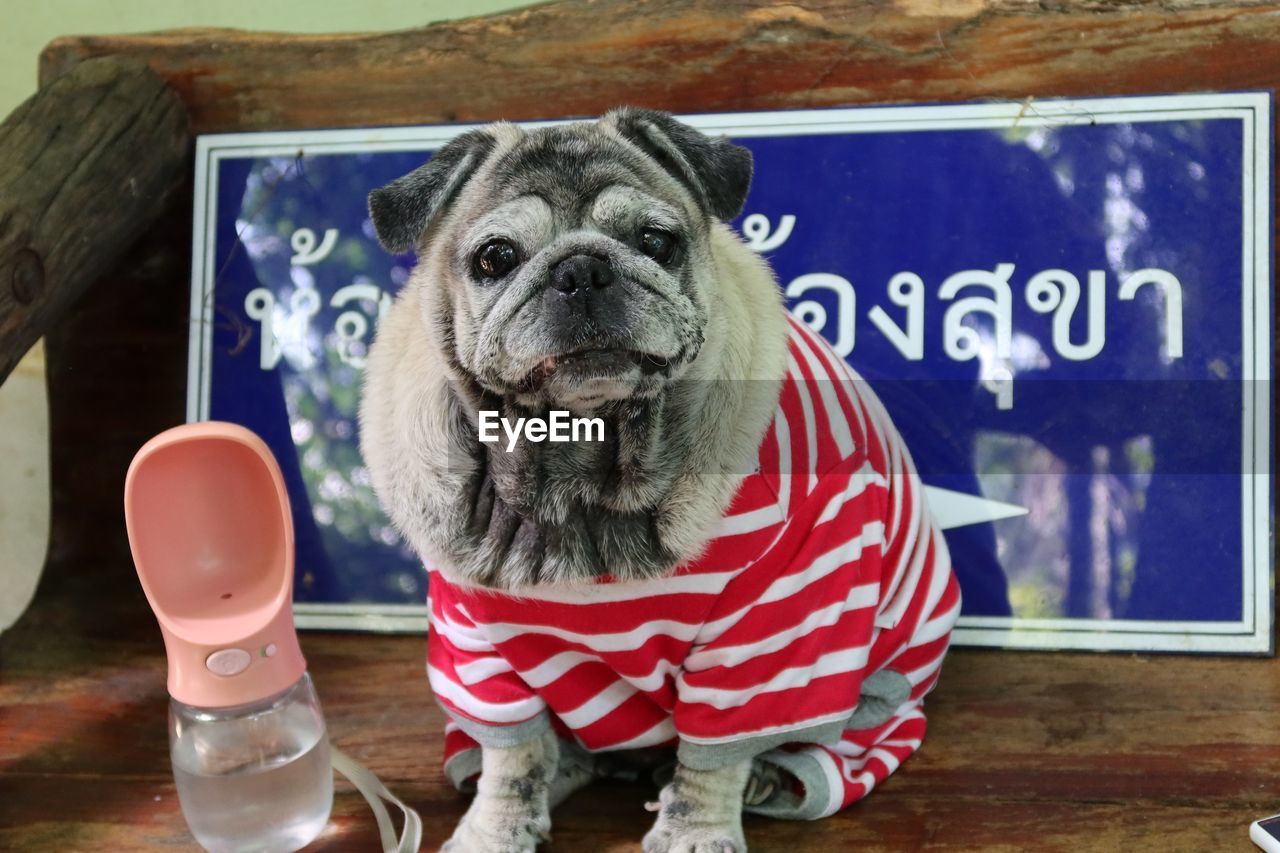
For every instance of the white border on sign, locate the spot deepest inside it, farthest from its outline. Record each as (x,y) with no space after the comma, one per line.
(1253,633)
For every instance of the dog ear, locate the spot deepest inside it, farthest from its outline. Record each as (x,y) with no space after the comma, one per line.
(402,210)
(716,171)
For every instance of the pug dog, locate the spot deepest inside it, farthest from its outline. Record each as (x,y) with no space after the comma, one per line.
(736,563)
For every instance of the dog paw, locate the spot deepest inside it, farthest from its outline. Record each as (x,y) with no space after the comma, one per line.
(700,811)
(694,839)
(678,829)
(475,835)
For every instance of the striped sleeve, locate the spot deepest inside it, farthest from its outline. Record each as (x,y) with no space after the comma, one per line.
(784,655)
(474,684)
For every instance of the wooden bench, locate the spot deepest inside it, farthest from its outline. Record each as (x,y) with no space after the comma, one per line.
(1025,751)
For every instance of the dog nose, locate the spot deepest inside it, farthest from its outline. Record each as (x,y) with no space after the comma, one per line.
(581,272)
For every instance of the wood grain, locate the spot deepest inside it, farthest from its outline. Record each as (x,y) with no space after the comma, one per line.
(1026,751)
(580,58)
(74,192)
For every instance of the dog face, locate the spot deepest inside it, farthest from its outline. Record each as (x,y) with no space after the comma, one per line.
(567,266)
(579,267)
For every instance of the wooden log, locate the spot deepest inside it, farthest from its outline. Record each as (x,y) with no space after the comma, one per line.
(86,165)
(579,58)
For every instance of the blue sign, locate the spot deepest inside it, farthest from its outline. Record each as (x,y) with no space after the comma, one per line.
(1065,306)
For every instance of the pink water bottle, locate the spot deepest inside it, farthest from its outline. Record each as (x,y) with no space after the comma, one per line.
(212,538)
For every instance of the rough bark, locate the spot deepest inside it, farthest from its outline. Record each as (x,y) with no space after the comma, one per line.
(578,58)
(86,165)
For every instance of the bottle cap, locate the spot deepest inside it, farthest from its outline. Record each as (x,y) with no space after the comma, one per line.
(212,538)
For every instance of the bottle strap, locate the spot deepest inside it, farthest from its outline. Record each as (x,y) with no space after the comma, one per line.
(375,792)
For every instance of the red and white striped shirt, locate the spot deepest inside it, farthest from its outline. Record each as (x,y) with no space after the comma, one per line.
(826,568)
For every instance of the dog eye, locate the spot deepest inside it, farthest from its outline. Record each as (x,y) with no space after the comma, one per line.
(495,259)
(658,245)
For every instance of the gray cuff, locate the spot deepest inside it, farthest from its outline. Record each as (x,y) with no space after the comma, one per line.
(462,769)
(882,695)
(504,737)
(785,804)
(713,756)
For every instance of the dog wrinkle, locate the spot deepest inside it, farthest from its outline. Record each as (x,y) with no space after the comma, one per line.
(632,506)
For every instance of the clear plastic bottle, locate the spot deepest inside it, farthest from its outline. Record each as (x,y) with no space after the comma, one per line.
(253,778)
